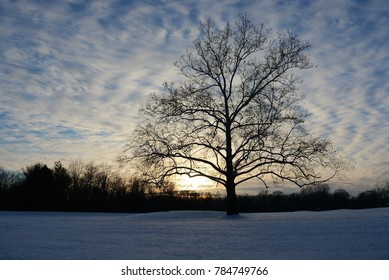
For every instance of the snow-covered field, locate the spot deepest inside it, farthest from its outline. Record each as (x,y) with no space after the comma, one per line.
(341,234)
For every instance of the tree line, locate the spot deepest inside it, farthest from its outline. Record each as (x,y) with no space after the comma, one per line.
(92,187)
(88,187)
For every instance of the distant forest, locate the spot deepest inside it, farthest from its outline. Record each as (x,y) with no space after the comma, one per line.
(91,187)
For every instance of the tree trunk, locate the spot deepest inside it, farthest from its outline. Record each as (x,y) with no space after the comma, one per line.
(232,206)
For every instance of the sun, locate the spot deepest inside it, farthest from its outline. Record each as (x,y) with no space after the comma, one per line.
(193,183)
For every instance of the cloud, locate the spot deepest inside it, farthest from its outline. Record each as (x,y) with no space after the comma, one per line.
(346,92)
(73,73)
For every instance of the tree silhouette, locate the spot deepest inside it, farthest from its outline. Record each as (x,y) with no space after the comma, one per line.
(38,188)
(234,115)
(62,183)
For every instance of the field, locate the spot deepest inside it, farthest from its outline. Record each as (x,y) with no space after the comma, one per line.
(340,234)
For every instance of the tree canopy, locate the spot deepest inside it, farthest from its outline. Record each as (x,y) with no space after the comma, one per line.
(234,114)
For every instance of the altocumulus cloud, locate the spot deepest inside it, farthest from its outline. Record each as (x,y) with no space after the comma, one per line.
(73,73)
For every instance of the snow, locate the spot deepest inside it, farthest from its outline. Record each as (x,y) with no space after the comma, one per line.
(340,234)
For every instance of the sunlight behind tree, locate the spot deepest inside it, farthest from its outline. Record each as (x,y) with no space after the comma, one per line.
(198,183)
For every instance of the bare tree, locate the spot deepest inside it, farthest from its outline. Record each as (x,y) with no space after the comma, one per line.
(235,115)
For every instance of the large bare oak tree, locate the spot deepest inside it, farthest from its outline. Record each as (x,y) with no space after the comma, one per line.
(234,115)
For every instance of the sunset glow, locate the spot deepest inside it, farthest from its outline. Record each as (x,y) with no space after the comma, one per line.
(198,183)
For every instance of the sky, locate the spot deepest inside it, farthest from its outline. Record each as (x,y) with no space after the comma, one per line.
(73,73)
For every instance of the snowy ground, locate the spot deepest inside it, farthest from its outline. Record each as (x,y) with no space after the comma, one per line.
(341,234)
